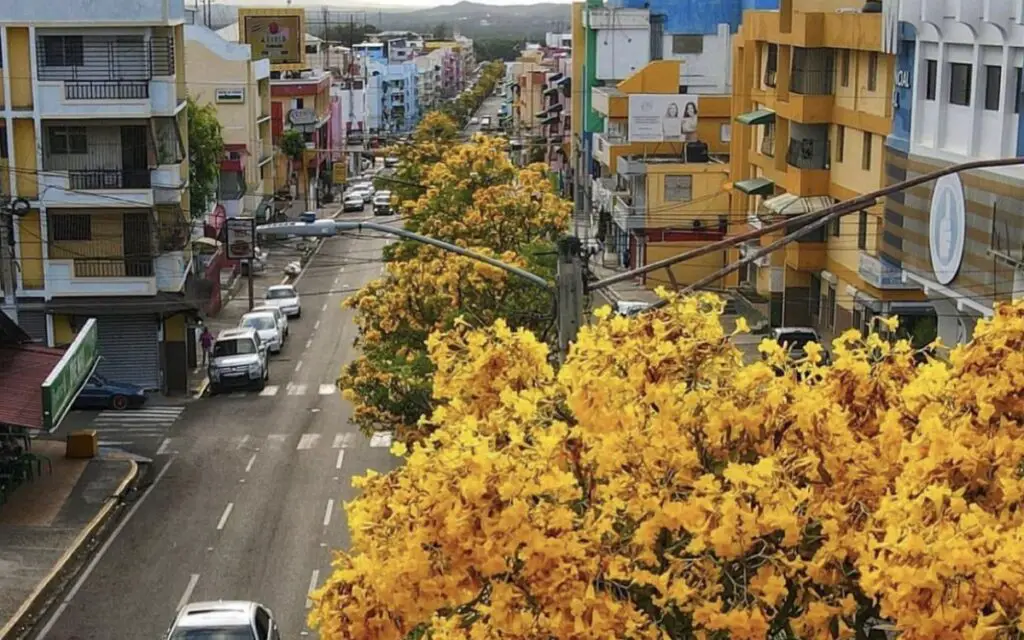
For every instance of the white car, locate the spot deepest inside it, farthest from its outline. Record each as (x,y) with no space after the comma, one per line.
(282,320)
(224,620)
(285,298)
(353,201)
(474,120)
(264,323)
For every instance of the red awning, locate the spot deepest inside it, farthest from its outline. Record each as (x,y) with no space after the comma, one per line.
(23,369)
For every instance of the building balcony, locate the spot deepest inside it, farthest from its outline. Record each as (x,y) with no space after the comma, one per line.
(807,163)
(835,30)
(610,102)
(106,76)
(627,216)
(806,256)
(881,274)
(602,18)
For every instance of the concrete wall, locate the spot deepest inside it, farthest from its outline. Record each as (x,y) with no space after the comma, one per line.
(95,12)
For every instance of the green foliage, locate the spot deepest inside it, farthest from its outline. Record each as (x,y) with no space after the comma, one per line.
(293,144)
(348,34)
(506,49)
(205,151)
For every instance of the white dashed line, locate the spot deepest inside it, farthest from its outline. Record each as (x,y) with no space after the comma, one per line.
(336,281)
(323,307)
(224,517)
(328,512)
(244,441)
(316,325)
(296,389)
(185,597)
(309,343)
(298,366)
(308,441)
(252,460)
(163,447)
(341,459)
(312,586)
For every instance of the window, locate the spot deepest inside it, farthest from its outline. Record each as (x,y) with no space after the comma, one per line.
(865,159)
(993,80)
(840,142)
(678,188)
(960,84)
(837,227)
(873,71)
(725,132)
(687,44)
(931,75)
(67,140)
(771,65)
(3,142)
(862,230)
(1017,88)
(844,68)
(63,51)
(299,103)
(65,227)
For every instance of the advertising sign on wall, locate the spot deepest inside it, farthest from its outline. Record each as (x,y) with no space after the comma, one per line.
(947,227)
(231,96)
(278,36)
(241,237)
(662,118)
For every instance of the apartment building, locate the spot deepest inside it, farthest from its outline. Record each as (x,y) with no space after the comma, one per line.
(392,99)
(95,137)
(430,73)
(957,97)
(224,75)
(813,106)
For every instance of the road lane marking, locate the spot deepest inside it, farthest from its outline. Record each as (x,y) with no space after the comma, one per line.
(312,587)
(344,440)
(316,325)
(327,389)
(224,517)
(114,443)
(323,307)
(269,390)
(341,459)
(252,461)
(102,552)
(308,441)
(309,343)
(328,512)
(163,447)
(381,440)
(276,441)
(244,441)
(185,597)
(298,366)
(296,389)
(337,281)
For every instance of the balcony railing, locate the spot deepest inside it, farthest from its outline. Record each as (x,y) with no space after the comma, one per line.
(768,144)
(141,267)
(115,59)
(807,154)
(104,90)
(100,157)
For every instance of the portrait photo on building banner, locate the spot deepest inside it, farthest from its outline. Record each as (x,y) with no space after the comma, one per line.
(662,117)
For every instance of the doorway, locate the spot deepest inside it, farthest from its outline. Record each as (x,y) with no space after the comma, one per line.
(134,158)
(138,245)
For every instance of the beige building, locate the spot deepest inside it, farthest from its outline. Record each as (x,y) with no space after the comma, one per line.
(223,74)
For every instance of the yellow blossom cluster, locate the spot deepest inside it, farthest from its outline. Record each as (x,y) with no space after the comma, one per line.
(655,486)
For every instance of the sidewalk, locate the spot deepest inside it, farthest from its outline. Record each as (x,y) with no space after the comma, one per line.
(48,521)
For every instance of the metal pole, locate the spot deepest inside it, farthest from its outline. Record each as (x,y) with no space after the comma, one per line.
(252,266)
(569,295)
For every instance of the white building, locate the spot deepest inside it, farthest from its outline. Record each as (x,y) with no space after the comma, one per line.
(558,40)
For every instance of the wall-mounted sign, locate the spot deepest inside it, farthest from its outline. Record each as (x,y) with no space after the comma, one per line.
(339,172)
(301,117)
(947,227)
(241,237)
(278,35)
(662,118)
(230,95)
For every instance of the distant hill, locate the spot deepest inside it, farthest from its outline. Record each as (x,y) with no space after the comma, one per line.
(471,19)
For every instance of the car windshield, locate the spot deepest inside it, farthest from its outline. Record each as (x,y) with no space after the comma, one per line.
(280,294)
(797,339)
(259,322)
(219,633)
(236,347)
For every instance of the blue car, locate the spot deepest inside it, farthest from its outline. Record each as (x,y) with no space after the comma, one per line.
(101,393)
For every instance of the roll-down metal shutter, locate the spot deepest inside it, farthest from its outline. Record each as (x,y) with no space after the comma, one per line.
(34,323)
(130,349)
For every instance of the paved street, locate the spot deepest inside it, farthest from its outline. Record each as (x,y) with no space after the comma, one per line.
(247,489)
(490,107)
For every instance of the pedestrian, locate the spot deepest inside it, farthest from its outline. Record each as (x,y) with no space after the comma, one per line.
(206,342)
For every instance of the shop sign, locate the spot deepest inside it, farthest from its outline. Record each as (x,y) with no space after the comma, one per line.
(241,237)
(947,227)
(230,96)
(66,380)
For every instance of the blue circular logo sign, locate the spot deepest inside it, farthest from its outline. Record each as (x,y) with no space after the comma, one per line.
(947,227)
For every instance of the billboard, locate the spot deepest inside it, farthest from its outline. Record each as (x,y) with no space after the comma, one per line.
(61,387)
(662,117)
(276,34)
(241,238)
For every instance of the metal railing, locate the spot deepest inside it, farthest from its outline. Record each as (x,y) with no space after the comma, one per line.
(106,90)
(100,157)
(768,144)
(141,267)
(807,154)
(113,58)
(93,179)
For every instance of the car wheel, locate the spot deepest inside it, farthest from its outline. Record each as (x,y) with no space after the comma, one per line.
(213,389)
(261,384)
(119,402)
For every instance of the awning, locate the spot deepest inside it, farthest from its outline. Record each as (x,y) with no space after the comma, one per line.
(556,77)
(756,186)
(760,116)
(788,204)
(550,120)
(206,242)
(162,303)
(551,91)
(555,108)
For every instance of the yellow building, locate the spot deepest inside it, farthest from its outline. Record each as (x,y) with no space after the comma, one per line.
(654,199)
(813,101)
(223,74)
(95,125)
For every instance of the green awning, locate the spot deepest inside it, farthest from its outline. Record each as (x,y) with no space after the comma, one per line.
(761,116)
(756,186)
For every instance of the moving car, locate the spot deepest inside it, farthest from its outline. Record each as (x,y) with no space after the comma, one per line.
(382,203)
(224,620)
(285,298)
(474,120)
(239,359)
(307,217)
(266,325)
(102,393)
(353,201)
(282,320)
(485,123)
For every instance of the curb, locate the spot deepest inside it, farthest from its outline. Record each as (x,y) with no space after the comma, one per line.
(84,536)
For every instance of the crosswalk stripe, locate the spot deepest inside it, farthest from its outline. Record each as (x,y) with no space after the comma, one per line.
(381,440)
(308,441)
(296,389)
(276,440)
(134,419)
(343,440)
(327,389)
(269,390)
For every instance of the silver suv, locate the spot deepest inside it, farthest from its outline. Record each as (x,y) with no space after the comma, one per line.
(224,620)
(239,359)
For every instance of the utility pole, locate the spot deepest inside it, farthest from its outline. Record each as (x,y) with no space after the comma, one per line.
(569,294)
(10,209)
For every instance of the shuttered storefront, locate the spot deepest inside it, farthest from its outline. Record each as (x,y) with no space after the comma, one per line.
(33,321)
(129,349)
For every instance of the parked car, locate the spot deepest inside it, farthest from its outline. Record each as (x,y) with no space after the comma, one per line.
(794,341)
(239,359)
(282,319)
(224,620)
(382,203)
(474,120)
(353,201)
(102,393)
(285,298)
(485,123)
(266,325)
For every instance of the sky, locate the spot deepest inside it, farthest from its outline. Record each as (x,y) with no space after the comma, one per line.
(407,5)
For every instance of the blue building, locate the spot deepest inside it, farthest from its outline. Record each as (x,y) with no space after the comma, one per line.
(392,100)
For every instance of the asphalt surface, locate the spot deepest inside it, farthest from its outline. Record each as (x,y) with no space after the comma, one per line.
(246,490)
(490,107)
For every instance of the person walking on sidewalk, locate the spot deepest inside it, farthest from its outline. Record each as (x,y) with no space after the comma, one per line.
(206,342)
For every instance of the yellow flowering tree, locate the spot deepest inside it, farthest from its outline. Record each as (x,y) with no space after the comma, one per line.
(433,136)
(657,487)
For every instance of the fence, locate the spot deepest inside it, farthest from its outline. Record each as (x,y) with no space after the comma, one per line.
(103,59)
